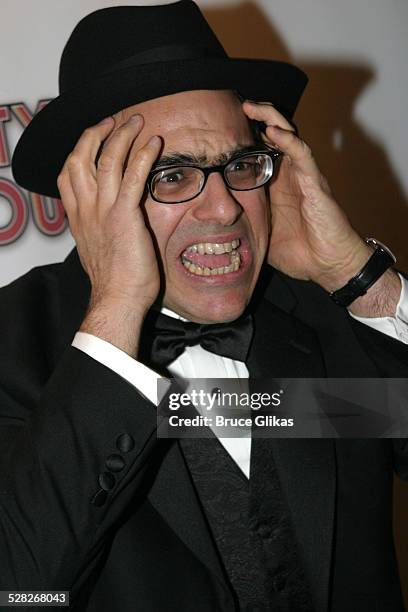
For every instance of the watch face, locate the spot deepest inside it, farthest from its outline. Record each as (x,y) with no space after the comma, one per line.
(376,244)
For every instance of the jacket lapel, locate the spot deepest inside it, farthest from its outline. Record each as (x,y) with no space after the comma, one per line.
(282,347)
(174,481)
(344,356)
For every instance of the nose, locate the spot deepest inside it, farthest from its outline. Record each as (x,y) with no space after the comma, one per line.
(216,203)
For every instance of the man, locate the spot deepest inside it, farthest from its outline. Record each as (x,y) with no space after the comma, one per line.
(92,501)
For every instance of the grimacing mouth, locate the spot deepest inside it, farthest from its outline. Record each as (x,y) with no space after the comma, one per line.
(212,249)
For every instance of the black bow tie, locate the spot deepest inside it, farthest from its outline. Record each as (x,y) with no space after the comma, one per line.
(168,337)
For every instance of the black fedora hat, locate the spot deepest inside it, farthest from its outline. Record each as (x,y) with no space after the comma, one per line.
(119,56)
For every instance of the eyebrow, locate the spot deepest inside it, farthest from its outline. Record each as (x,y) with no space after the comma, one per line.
(178,158)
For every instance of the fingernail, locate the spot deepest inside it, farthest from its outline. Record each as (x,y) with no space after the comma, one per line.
(106,120)
(258,102)
(135,119)
(155,140)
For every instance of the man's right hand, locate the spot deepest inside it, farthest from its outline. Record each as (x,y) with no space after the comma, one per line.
(102,201)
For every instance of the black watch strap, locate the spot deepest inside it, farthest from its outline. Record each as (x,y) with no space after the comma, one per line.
(379,262)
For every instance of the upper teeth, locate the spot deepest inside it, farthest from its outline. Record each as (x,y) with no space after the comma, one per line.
(214,248)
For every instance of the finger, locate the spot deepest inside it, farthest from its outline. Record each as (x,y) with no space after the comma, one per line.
(267,113)
(80,163)
(66,192)
(91,140)
(296,149)
(137,172)
(68,198)
(112,160)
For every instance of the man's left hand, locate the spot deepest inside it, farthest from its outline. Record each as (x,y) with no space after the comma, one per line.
(312,238)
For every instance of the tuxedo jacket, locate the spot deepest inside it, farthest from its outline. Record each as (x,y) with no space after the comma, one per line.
(137,539)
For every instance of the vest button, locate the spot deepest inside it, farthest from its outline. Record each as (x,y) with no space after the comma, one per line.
(279,583)
(264,530)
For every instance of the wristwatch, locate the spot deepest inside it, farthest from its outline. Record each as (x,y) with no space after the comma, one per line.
(379,262)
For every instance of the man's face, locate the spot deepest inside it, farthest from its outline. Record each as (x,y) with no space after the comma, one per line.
(208,125)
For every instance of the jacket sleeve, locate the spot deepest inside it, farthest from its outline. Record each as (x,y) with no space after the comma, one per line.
(391,359)
(68,472)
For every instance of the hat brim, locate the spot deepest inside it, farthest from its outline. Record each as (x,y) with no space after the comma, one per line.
(52,134)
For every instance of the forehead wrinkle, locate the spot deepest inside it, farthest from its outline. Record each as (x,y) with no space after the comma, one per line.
(200,159)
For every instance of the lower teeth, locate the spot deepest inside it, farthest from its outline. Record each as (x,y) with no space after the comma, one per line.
(205,271)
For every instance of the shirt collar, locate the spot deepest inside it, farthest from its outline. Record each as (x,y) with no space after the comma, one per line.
(171,313)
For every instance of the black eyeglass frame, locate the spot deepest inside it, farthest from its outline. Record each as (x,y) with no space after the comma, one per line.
(274,155)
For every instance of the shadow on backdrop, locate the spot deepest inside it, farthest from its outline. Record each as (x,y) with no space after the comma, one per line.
(356,166)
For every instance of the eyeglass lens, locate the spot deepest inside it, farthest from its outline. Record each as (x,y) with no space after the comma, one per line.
(172,185)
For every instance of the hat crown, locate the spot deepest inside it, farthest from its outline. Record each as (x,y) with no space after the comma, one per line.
(121,56)
(106,38)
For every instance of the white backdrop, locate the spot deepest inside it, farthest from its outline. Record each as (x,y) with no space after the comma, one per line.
(363,42)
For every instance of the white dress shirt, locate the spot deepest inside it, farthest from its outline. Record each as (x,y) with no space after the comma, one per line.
(196,362)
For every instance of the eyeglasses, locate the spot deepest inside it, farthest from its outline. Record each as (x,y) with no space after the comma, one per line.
(178,184)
